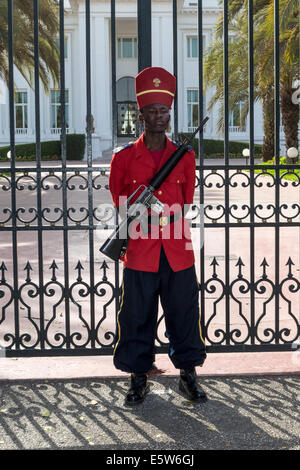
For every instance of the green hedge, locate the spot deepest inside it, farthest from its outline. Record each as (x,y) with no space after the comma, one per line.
(50,150)
(215,148)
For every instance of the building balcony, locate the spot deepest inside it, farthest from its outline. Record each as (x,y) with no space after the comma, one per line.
(57,130)
(21,130)
(237,129)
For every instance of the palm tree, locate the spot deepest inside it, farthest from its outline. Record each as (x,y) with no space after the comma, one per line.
(238,79)
(263,62)
(289,63)
(23,40)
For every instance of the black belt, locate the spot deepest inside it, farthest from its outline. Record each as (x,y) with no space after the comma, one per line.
(163,220)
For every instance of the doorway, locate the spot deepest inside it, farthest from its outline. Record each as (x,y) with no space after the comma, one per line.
(127,108)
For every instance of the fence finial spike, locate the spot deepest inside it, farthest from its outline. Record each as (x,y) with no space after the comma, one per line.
(104,266)
(3,268)
(28,268)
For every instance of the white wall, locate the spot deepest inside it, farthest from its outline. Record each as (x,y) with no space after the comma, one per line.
(126,26)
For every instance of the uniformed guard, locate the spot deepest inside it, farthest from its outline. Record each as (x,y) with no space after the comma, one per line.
(159,262)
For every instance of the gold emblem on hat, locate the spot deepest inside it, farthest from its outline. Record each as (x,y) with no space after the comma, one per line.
(156,82)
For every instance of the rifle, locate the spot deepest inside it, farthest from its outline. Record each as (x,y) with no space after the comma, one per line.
(116,245)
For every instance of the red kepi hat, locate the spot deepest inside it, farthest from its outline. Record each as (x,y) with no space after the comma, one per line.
(155,85)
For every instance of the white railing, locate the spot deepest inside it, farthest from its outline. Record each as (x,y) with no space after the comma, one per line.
(57,130)
(192,129)
(21,130)
(237,129)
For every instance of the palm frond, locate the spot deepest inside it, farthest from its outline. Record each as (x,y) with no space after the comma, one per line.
(23,40)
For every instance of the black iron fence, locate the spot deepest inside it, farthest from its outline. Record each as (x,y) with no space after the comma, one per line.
(59,297)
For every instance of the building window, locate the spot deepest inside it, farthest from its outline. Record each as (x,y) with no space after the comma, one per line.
(65,46)
(192,47)
(56,110)
(21,112)
(193,109)
(127,48)
(192,51)
(235,118)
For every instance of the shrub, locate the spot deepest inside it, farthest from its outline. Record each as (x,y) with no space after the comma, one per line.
(75,146)
(215,148)
(50,150)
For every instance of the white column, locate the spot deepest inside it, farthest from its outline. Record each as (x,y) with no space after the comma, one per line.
(6,118)
(156,42)
(162,41)
(2,105)
(79,77)
(166,42)
(162,44)
(2,111)
(101,82)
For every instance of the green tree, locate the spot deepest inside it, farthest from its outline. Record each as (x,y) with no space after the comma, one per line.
(23,40)
(289,59)
(263,65)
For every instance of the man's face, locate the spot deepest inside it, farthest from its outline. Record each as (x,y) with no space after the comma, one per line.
(155,117)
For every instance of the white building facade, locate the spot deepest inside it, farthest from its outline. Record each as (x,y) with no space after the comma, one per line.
(126,69)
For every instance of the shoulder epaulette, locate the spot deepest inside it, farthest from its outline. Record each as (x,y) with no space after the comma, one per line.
(118,149)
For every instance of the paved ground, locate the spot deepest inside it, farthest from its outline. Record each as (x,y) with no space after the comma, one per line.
(78,403)
(254,413)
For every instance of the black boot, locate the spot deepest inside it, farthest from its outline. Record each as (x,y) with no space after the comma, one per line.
(138,389)
(189,386)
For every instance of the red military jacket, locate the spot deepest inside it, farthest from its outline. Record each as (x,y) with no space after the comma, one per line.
(132,166)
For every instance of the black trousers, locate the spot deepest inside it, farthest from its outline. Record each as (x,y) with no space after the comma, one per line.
(137,318)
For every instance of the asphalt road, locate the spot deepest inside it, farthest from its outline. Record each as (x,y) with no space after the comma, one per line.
(242,413)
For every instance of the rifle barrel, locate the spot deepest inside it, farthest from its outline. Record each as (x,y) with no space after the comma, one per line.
(190,139)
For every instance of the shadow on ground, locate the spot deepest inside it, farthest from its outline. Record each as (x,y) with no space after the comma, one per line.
(241,413)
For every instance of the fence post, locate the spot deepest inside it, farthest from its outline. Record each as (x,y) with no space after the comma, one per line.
(144,34)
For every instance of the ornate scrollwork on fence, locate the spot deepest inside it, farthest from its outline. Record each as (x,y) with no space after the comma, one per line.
(70,303)
(251,328)
(68,327)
